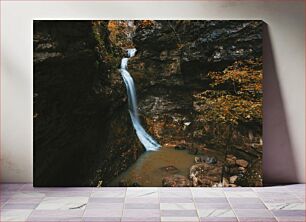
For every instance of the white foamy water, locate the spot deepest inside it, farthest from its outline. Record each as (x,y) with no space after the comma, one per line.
(147,141)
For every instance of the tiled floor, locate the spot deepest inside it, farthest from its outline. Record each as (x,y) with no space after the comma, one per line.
(22,202)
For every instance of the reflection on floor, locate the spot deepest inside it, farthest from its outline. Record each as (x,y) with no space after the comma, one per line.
(22,202)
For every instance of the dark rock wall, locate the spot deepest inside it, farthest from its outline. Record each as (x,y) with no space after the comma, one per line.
(82,131)
(171,70)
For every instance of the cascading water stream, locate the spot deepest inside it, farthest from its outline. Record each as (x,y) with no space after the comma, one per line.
(147,141)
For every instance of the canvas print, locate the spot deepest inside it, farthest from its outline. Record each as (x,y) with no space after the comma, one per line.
(172,103)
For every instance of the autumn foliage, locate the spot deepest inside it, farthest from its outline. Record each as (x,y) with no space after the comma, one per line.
(243,77)
(120,33)
(235,95)
(145,24)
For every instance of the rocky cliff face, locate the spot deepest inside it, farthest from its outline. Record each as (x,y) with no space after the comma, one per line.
(199,83)
(198,87)
(82,131)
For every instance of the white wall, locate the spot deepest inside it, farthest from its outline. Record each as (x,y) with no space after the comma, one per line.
(284,72)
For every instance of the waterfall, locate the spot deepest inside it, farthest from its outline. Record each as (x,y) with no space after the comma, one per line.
(147,141)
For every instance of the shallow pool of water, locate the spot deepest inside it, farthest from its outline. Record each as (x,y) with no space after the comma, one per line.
(148,169)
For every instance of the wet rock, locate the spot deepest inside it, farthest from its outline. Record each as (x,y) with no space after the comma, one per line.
(233,171)
(123,183)
(241,170)
(231,160)
(205,159)
(225,182)
(254,174)
(233,179)
(170,169)
(180,147)
(211,160)
(163,55)
(136,184)
(242,163)
(226,168)
(218,185)
(242,180)
(197,159)
(193,150)
(100,183)
(176,181)
(230,156)
(203,174)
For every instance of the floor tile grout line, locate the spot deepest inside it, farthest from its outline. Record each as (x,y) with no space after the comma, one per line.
(37,204)
(5,202)
(295,195)
(123,206)
(11,196)
(91,191)
(231,205)
(302,199)
(265,204)
(29,215)
(196,207)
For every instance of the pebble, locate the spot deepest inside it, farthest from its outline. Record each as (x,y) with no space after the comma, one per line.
(242,163)
(231,160)
(241,170)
